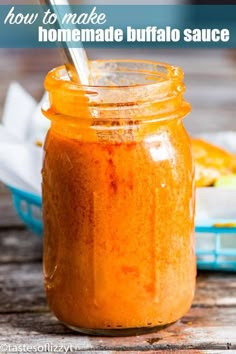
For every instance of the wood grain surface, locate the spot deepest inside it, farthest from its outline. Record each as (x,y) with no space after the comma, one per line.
(210,325)
(25,319)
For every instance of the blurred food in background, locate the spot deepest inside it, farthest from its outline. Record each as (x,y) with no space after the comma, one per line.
(211,162)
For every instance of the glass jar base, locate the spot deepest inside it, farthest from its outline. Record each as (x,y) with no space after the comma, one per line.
(118,332)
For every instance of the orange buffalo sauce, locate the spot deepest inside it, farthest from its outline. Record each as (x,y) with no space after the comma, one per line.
(118,200)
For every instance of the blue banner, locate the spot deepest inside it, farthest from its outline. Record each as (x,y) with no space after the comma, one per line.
(118,26)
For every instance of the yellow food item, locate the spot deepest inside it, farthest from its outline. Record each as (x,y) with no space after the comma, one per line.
(211,162)
(228,181)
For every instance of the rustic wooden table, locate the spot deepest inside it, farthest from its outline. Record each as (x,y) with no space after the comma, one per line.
(210,325)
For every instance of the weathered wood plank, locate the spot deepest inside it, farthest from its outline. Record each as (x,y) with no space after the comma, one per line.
(8,216)
(216,289)
(68,349)
(3,190)
(199,329)
(22,280)
(189,351)
(21,289)
(19,246)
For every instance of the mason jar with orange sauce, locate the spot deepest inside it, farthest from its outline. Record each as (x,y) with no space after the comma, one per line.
(118,199)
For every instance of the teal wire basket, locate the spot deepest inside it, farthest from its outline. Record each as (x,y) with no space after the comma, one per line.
(216,244)
(29,208)
(215,240)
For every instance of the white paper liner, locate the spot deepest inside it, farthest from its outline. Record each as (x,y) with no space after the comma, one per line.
(22,126)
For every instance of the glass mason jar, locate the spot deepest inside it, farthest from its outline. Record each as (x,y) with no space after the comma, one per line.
(118,199)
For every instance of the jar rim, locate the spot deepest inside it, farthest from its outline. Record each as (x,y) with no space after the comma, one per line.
(159,94)
(163,70)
